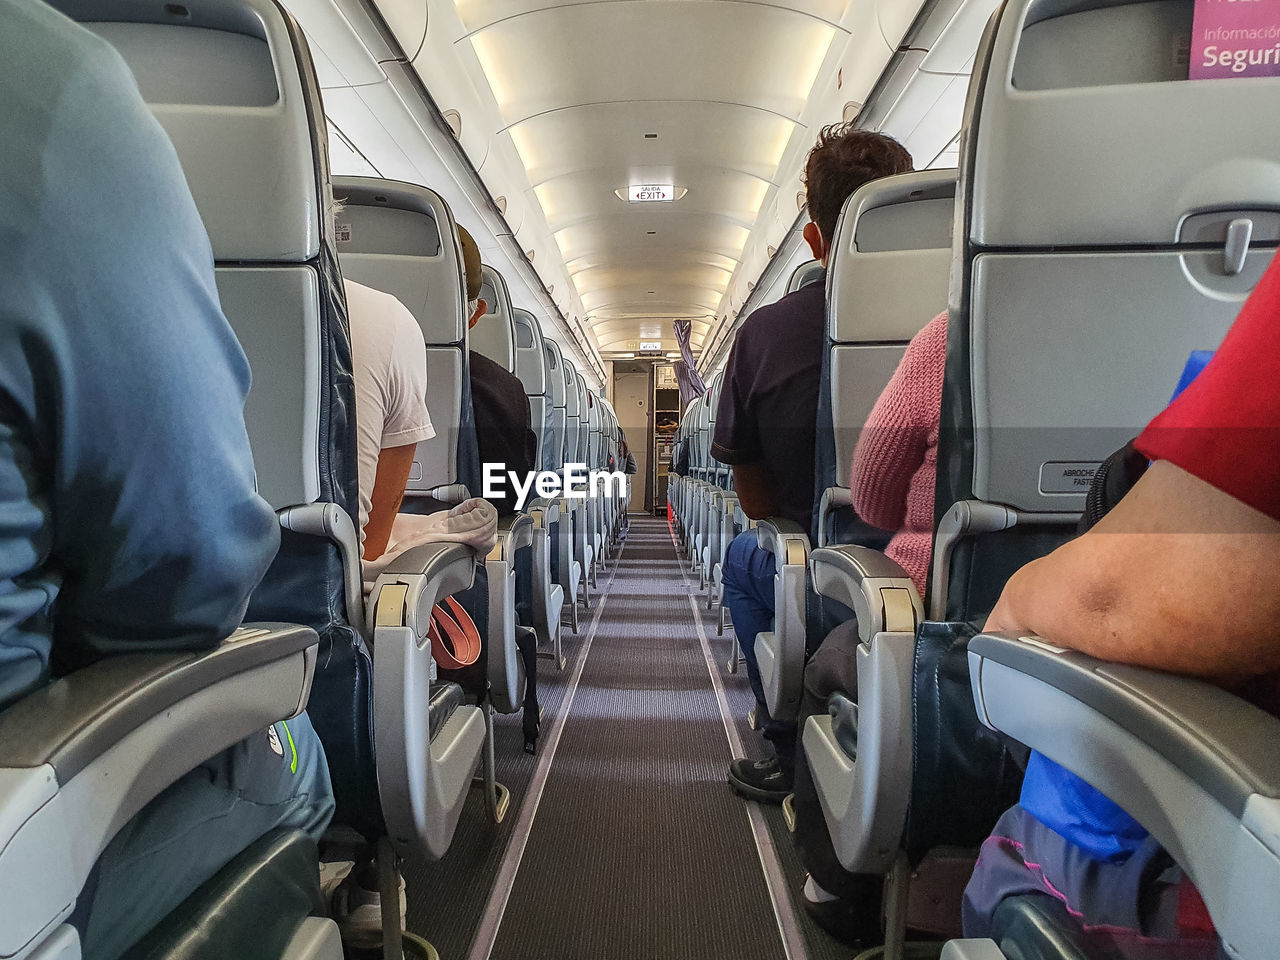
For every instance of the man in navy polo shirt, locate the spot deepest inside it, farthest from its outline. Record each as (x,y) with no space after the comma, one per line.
(765,427)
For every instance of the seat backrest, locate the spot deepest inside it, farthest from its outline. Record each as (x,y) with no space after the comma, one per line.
(573,406)
(582,452)
(493,335)
(720,471)
(400,238)
(805,274)
(557,392)
(234,87)
(888,271)
(689,426)
(595,429)
(531,368)
(234,98)
(1085,276)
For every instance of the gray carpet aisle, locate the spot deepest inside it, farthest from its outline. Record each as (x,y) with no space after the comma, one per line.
(638,850)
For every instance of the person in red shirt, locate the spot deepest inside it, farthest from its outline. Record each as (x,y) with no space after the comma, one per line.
(1142,587)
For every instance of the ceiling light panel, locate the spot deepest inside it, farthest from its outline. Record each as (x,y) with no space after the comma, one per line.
(578,89)
(656,50)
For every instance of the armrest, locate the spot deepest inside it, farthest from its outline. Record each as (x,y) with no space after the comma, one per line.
(833,498)
(1194,764)
(514,533)
(428,572)
(81,756)
(785,539)
(452,494)
(875,588)
(331,522)
(543,511)
(422,780)
(781,653)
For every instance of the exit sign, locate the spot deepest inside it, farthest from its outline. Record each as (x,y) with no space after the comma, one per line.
(652,193)
(650,346)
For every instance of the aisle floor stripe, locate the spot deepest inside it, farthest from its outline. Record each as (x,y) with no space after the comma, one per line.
(487,934)
(783,910)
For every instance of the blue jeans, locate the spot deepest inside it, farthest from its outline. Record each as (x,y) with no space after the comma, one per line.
(748,592)
(191,830)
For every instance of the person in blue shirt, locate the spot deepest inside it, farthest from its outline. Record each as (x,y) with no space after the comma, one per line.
(129,520)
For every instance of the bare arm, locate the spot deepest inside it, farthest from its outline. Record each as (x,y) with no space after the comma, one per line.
(394,464)
(754,483)
(1179,576)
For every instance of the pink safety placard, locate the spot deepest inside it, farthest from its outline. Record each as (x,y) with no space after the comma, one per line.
(1235,38)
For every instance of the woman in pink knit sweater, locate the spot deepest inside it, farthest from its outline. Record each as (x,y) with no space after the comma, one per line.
(894,468)
(896,460)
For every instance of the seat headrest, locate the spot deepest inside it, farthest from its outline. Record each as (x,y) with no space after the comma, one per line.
(400,238)
(232,84)
(573,401)
(555,372)
(804,275)
(531,354)
(891,258)
(1073,96)
(494,334)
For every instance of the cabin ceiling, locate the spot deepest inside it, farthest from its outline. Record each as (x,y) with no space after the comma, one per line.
(562,105)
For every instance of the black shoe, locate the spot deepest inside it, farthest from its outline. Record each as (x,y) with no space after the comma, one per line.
(761,780)
(855,922)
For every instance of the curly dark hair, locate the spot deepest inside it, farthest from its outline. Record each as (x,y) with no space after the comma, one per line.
(843,159)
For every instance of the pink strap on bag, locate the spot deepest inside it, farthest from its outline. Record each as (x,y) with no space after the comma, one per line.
(455,641)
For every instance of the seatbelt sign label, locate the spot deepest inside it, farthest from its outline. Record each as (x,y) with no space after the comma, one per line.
(1235,38)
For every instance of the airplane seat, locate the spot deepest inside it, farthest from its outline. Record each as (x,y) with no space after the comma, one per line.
(555,427)
(1192,763)
(566,569)
(548,595)
(699,461)
(573,534)
(1067,332)
(688,484)
(585,535)
(531,369)
(811,271)
(401,239)
(722,518)
(887,278)
(233,85)
(1182,231)
(595,448)
(706,487)
(493,335)
(717,472)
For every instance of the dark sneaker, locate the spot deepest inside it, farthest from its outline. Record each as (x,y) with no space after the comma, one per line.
(761,780)
(853,920)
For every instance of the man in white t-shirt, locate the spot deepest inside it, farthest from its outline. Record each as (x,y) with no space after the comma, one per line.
(389,363)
